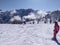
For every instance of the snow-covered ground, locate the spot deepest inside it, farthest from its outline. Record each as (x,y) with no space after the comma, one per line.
(29,34)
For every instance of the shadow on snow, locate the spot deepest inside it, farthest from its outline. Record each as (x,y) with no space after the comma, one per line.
(57,42)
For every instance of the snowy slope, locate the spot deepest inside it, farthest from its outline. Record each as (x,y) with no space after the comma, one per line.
(30,16)
(15,18)
(42,13)
(29,34)
(13,11)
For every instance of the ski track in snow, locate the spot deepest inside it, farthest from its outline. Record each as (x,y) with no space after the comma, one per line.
(29,34)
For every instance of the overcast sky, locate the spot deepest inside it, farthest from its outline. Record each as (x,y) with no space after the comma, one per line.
(34,4)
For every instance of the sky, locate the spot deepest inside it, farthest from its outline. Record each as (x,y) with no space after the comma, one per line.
(47,5)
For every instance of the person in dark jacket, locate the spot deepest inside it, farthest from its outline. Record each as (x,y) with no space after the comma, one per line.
(56,30)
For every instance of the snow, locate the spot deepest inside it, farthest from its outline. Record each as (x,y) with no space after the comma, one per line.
(37,15)
(1,11)
(30,16)
(15,18)
(13,11)
(12,19)
(29,34)
(42,13)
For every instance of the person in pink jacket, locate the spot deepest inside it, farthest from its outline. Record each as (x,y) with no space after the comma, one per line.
(56,30)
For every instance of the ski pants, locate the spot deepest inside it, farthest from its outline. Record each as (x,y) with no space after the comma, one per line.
(55,33)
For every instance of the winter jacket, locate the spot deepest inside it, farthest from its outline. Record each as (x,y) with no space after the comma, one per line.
(56,27)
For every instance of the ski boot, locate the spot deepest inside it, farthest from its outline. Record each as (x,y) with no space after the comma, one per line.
(53,38)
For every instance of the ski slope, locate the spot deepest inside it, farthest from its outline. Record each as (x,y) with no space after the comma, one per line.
(28,34)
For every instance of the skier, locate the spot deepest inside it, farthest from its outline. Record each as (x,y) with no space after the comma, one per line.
(56,30)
